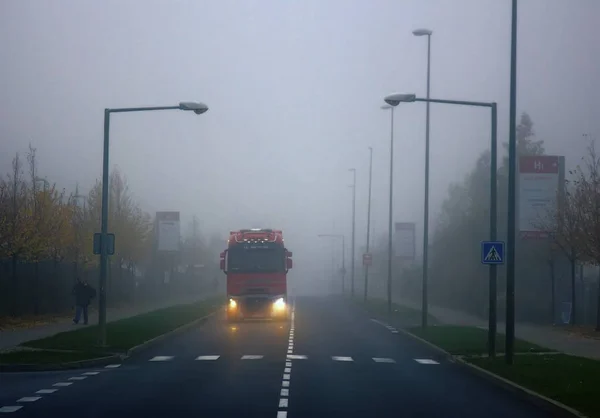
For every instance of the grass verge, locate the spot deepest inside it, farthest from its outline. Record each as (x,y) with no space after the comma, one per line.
(469,341)
(570,380)
(45,357)
(401,315)
(127,333)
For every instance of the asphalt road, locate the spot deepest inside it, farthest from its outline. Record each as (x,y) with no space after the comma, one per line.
(331,360)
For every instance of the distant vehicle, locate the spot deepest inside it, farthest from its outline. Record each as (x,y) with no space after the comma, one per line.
(256,263)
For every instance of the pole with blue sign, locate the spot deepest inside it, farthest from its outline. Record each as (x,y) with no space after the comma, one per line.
(492,254)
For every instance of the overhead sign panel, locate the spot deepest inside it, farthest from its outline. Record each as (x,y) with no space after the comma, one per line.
(168,231)
(405,238)
(539,182)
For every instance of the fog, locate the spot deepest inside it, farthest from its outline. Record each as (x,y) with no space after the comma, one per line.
(294,90)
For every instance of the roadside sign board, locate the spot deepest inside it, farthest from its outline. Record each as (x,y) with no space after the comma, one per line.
(168,231)
(404,244)
(110,243)
(367,259)
(492,252)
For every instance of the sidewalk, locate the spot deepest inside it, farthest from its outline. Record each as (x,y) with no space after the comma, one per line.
(545,336)
(12,338)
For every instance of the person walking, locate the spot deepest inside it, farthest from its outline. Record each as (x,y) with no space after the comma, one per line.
(84,293)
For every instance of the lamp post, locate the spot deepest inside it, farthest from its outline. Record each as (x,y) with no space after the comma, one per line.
(352,257)
(493,196)
(424,304)
(343,254)
(368,221)
(195,107)
(390,105)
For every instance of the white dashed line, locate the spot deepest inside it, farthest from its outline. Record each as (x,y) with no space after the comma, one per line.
(207,357)
(288,364)
(285,384)
(30,399)
(286,376)
(296,357)
(161,358)
(281,414)
(283,403)
(90,373)
(62,384)
(383,360)
(251,357)
(287,370)
(78,378)
(46,391)
(285,392)
(338,358)
(6,409)
(112,366)
(426,361)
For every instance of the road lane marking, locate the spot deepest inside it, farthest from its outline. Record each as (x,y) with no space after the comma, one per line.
(251,357)
(281,414)
(290,351)
(30,399)
(426,361)
(288,364)
(161,358)
(341,358)
(286,376)
(285,392)
(90,373)
(78,378)
(285,384)
(296,357)
(283,403)
(46,391)
(394,332)
(383,360)
(207,357)
(112,366)
(62,384)
(15,408)
(287,370)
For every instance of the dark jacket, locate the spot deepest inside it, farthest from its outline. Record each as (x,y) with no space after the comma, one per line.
(83,293)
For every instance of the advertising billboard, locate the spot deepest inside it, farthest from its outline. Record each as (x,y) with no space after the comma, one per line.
(539,183)
(168,231)
(405,238)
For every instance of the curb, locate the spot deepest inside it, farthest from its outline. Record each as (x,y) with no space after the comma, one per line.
(556,408)
(103,361)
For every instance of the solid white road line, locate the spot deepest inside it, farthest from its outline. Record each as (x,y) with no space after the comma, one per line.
(285,392)
(383,360)
(62,384)
(90,373)
(281,414)
(78,378)
(426,361)
(30,399)
(46,391)
(207,357)
(6,409)
(341,358)
(251,357)
(161,358)
(283,403)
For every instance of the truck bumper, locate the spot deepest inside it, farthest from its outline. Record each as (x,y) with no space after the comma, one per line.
(257,307)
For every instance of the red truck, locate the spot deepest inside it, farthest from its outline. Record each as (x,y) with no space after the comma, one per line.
(256,263)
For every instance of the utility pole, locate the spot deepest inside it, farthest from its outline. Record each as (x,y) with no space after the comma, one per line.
(353,230)
(368,221)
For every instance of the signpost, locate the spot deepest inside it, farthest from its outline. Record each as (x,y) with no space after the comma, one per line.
(405,241)
(367,259)
(539,182)
(492,254)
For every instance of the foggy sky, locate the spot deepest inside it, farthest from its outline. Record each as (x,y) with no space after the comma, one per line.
(294,90)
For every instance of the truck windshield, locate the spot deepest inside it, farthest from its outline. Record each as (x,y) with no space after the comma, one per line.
(242,259)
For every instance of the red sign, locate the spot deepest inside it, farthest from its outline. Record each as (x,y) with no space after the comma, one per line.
(367,259)
(542,164)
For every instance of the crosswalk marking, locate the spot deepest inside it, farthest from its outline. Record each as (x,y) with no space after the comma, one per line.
(383,360)
(112,366)
(78,378)
(426,361)
(90,373)
(14,408)
(46,391)
(62,384)
(161,358)
(30,399)
(207,357)
(296,357)
(251,357)
(341,358)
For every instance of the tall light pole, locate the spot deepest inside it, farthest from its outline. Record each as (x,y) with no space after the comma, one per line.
(353,230)
(368,221)
(195,107)
(493,197)
(512,164)
(390,105)
(424,304)
(343,254)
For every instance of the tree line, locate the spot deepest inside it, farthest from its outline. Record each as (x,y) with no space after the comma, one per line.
(42,225)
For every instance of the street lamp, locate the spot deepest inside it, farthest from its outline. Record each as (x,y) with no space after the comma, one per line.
(343,254)
(353,229)
(368,221)
(397,98)
(391,103)
(426,32)
(197,108)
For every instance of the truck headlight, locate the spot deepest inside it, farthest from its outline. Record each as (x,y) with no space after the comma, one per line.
(232,304)
(279,304)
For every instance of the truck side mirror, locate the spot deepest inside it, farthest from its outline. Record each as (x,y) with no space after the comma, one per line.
(288,263)
(222,264)
(289,253)
(222,261)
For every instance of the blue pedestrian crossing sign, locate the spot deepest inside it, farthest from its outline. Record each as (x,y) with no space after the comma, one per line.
(492,252)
